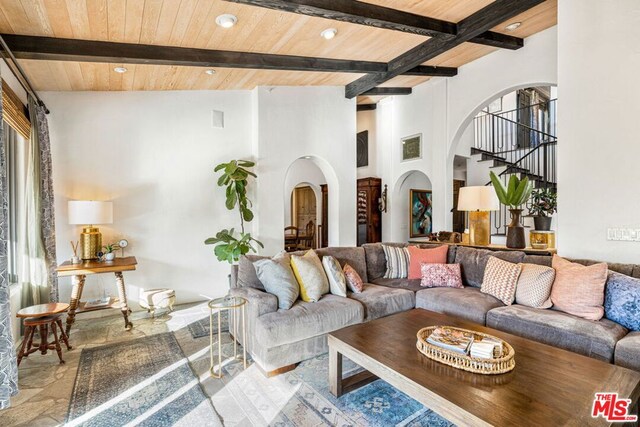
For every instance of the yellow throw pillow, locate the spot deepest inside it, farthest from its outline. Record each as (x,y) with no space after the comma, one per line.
(310,276)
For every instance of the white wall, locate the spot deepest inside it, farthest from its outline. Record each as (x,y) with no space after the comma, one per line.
(598,150)
(441,110)
(295,122)
(152,154)
(366,120)
(303,172)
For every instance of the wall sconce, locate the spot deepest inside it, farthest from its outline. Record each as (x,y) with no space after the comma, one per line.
(382,201)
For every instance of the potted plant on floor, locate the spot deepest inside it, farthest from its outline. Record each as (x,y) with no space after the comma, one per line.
(514,195)
(229,244)
(544,203)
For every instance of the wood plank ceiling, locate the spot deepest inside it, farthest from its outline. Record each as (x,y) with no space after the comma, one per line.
(191,23)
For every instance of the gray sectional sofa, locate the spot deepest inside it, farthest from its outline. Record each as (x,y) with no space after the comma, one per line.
(278,339)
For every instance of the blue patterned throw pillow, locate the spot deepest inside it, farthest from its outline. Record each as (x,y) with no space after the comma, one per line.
(622,300)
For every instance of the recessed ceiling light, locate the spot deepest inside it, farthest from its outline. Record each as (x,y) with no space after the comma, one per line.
(210,72)
(227,20)
(306,157)
(513,26)
(120,70)
(329,33)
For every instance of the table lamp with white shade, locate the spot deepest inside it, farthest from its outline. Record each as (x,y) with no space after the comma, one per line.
(89,213)
(478,201)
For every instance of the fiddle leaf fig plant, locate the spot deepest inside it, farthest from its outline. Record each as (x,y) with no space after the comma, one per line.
(229,243)
(515,194)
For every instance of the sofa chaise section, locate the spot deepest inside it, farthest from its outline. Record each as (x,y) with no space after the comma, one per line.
(467,303)
(596,339)
(379,301)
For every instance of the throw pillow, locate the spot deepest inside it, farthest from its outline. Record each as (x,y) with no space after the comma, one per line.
(534,286)
(397,262)
(417,257)
(578,289)
(247,277)
(473,262)
(354,281)
(310,275)
(501,279)
(277,278)
(441,275)
(622,300)
(337,281)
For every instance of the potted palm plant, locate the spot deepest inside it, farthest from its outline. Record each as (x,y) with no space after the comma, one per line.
(544,203)
(514,195)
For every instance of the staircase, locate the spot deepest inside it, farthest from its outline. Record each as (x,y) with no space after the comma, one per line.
(519,142)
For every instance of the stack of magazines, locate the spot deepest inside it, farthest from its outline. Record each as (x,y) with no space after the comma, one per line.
(451,339)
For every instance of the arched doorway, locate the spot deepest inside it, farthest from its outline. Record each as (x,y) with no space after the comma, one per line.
(305,206)
(411,210)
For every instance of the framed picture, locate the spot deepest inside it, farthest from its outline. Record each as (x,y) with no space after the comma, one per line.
(412,147)
(420,213)
(362,152)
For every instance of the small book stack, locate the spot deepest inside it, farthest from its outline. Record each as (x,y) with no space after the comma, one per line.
(486,349)
(451,339)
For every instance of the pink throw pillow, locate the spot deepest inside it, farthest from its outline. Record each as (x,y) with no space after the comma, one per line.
(578,289)
(418,256)
(354,281)
(441,276)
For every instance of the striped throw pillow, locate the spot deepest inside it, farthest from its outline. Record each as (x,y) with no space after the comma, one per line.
(397,262)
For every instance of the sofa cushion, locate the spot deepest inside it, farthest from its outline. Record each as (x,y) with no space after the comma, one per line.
(397,262)
(467,303)
(595,339)
(626,269)
(500,279)
(247,277)
(307,319)
(628,351)
(412,285)
(380,301)
(579,289)
(622,300)
(538,260)
(473,262)
(376,261)
(277,278)
(419,256)
(353,279)
(353,256)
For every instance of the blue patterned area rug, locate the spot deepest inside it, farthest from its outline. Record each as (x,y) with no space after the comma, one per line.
(144,382)
(302,398)
(200,328)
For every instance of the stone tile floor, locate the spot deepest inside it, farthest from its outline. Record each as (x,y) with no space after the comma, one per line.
(46,385)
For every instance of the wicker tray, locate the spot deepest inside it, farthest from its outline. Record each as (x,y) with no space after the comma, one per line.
(499,365)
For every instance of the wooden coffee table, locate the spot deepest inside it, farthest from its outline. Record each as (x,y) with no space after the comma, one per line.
(548,386)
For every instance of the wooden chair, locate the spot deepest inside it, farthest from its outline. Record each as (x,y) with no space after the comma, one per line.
(306,242)
(42,316)
(290,238)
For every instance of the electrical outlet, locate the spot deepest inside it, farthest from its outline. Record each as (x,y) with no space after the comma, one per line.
(623,234)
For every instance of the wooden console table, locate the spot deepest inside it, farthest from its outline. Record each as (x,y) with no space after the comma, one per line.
(527,250)
(78,273)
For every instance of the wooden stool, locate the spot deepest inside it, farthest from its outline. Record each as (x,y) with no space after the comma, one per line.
(41,316)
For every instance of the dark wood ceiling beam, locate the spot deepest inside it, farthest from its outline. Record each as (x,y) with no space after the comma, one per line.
(366,107)
(470,27)
(372,15)
(58,49)
(386,91)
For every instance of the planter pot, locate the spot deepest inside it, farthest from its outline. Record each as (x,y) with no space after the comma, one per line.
(110,256)
(542,223)
(515,231)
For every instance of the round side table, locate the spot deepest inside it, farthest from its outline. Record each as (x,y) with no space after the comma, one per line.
(232,305)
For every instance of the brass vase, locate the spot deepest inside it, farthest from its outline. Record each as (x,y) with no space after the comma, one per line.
(515,231)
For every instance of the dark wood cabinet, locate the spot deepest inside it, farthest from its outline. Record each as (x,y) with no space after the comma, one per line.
(369,217)
(324,230)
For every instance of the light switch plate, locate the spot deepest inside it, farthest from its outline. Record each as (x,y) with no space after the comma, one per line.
(217,119)
(623,234)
